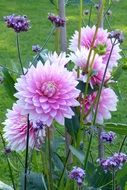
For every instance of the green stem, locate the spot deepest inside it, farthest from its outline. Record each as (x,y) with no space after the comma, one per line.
(50,161)
(122,144)
(113,179)
(88,151)
(9,166)
(11,70)
(19,54)
(63,172)
(45,43)
(96,110)
(27,153)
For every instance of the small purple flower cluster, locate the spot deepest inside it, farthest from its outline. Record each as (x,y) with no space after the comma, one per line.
(17,22)
(77,174)
(117,35)
(107,136)
(36,48)
(114,162)
(57,20)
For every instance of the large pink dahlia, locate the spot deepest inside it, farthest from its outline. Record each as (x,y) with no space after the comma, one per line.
(48,92)
(80,57)
(108,102)
(15,130)
(87,35)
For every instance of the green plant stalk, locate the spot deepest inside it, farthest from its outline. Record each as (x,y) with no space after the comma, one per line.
(100,17)
(79,36)
(113,179)
(96,110)
(90,14)
(45,43)
(27,153)
(9,166)
(49,161)
(85,94)
(19,53)
(122,144)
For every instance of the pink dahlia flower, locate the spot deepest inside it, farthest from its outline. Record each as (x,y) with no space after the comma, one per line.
(80,57)
(60,59)
(87,35)
(48,92)
(108,102)
(15,130)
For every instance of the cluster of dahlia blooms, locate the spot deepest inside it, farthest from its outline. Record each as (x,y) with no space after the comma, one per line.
(48,91)
(45,93)
(101,55)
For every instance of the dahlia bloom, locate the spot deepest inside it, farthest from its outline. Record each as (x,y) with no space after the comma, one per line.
(60,59)
(80,57)
(15,130)
(87,35)
(47,92)
(77,174)
(107,103)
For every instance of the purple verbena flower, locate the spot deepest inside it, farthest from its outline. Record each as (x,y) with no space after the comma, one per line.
(77,174)
(36,48)
(57,20)
(117,35)
(107,136)
(114,162)
(17,22)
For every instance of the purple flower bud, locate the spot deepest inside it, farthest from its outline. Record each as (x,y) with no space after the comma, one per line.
(114,162)
(36,48)
(77,174)
(108,136)
(57,20)
(7,150)
(86,12)
(17,22)
(109,12)
(118,35)
(97,6)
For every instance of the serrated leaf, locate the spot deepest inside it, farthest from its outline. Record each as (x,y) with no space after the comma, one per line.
(117,128)
(9,83)
(77,153)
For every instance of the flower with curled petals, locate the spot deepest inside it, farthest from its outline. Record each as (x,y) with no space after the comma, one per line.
(87,34)
(80,57)
(107,103)
(15,130)
(60,59)
(48,92)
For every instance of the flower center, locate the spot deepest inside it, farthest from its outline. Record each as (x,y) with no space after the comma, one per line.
(48,89)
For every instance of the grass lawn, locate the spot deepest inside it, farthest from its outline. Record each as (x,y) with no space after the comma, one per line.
(37,13)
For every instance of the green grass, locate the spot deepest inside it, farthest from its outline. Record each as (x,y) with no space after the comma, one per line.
(37,13)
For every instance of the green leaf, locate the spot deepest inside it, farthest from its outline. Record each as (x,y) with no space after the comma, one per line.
(9,83)
(58,161)
(97,178)
(52,1)
(77,153)
(121,176)
(117,128)
(35,181)
(73,125)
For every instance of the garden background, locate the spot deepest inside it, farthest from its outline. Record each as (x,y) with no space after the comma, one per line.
(37,12)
